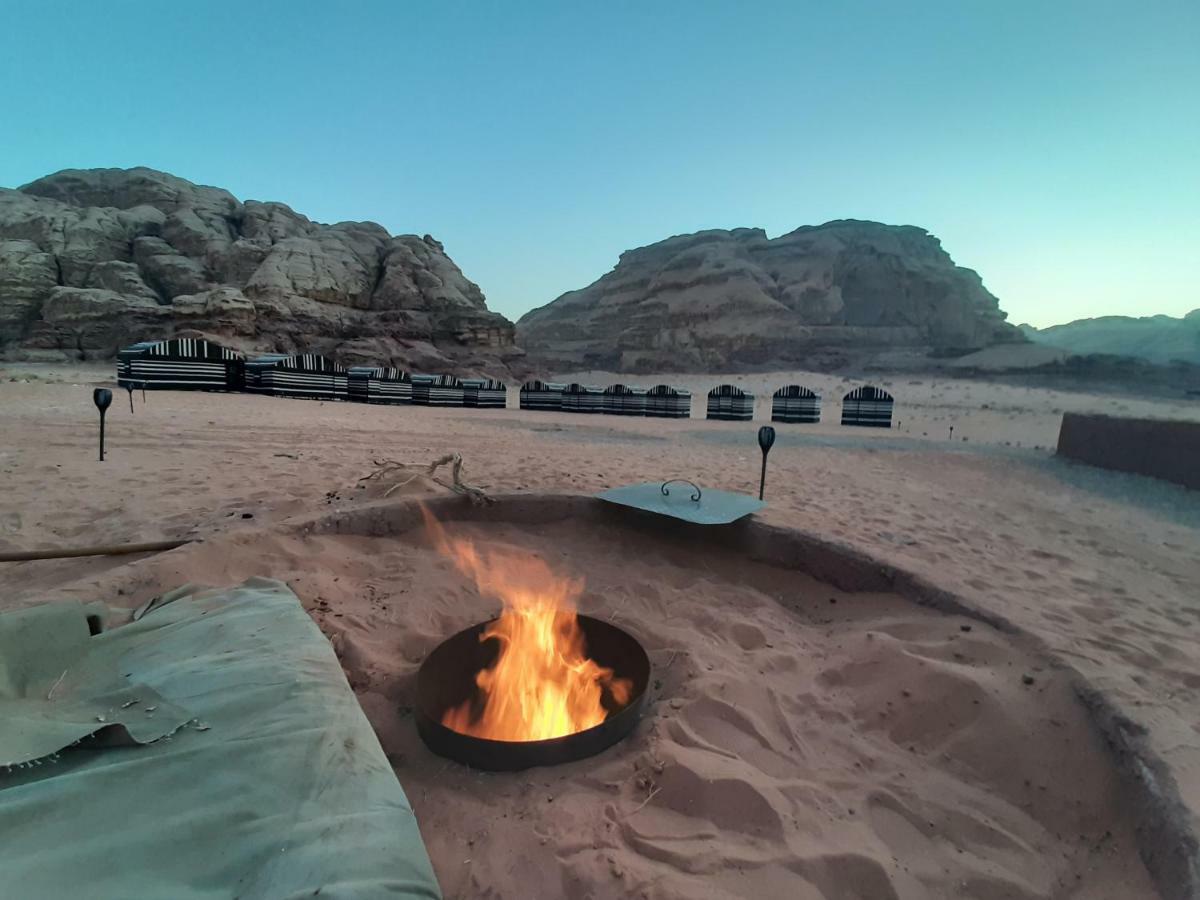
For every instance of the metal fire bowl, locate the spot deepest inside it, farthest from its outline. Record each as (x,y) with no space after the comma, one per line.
(447,679)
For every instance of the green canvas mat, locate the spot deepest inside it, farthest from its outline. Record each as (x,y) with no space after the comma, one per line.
(210,749)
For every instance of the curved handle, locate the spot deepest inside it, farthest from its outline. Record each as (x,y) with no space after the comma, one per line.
(694,486)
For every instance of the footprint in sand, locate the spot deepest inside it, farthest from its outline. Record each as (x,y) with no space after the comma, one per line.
(847,875)
(1095,614)
(747,636)
(689,804)
(1055,557)
(931,844)
(1057,617)
(714,725)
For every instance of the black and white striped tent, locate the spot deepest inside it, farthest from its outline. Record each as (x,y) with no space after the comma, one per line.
(259,364)
(729,402)
(306,375)
(794,403)
(484,393)
(666,402)
(542,395)
(868,406)
(181,364)
(437,390)
(623,400)
(378,384)
(582,398)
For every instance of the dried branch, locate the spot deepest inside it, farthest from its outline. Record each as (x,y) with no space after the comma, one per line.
(385,469)
(642,805)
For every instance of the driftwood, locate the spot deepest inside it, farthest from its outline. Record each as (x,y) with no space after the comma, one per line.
(101,550)
(388,468)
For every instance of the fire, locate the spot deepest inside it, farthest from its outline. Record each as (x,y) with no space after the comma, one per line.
(542,685)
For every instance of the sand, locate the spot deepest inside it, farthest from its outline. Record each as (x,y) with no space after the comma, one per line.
(747,768)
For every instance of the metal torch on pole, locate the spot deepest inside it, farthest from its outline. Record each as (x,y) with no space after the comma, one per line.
(766,439)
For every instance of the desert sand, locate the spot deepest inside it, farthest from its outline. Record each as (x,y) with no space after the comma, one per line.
(794,746)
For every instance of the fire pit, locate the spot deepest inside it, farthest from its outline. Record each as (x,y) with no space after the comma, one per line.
(775,720)
(447,681)
(537,685)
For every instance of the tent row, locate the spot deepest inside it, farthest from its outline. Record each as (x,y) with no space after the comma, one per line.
(198,364)
(866,406)
(662,401)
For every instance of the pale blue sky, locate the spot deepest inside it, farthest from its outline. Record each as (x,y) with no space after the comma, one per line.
(1054,146)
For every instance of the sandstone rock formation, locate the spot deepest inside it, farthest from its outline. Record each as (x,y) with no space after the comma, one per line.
(92,260)
(1156,339)
(722,300)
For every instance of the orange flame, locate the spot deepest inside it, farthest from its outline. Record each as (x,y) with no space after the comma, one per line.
(542,685)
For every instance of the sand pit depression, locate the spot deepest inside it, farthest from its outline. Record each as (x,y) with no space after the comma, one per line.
(798,740)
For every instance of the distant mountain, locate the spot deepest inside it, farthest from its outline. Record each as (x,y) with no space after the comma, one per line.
(722,300)
(1157,339)
(94,259)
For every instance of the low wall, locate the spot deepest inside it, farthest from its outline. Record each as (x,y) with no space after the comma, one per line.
(1160,448)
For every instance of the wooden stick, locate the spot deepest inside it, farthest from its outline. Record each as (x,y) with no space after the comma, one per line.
(102,550)
(642,805)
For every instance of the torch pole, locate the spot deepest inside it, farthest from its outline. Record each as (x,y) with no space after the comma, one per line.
(766,439)
(102,397)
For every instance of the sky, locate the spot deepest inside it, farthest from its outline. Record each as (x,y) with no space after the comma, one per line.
(1054,147)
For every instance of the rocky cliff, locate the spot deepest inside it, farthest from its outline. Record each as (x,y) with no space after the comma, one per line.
(721,300)
(92,260)
(1156,339)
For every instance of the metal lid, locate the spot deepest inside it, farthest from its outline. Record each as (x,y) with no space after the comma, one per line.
(684,500)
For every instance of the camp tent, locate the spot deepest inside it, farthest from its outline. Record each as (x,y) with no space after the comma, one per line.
(484,393)
(305,375)
(437,390)
(181,364)
(666,402)
(582,398)
(623,400)
(795,403)
(379,384)
(729,402)
(542,395)
(868,407)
